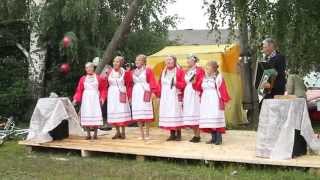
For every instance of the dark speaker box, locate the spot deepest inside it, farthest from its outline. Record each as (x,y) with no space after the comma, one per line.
(61,131)
(300,145)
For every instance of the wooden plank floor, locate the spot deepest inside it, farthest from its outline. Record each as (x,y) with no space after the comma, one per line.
(238,146)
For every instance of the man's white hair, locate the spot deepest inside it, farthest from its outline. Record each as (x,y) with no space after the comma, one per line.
(269,41)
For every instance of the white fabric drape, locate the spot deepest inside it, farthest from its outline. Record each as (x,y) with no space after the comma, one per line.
(48,114)
(277,123)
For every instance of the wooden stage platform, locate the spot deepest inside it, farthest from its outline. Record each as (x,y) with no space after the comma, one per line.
(238,146)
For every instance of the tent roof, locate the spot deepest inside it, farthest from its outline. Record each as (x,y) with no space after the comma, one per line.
(226,55)
(194,49)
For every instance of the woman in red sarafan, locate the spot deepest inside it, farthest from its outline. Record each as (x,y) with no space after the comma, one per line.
(172,84)
(144,86)
(119,84)
(191,98)
(91,93)
(213,100)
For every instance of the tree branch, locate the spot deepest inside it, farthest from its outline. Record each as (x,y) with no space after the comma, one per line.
(11,21)
(23,50)
(25,53)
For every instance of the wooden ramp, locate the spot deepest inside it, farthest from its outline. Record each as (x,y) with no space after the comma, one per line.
(238,146)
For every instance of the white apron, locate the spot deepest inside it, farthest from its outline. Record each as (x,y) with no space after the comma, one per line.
(141,111)
(170,112)
(118,113)
(90,112)
(210,114)
(191,102)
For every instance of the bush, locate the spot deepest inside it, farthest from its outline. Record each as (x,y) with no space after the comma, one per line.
(13,87)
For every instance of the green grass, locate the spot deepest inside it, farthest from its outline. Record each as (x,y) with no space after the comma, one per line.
(16,163)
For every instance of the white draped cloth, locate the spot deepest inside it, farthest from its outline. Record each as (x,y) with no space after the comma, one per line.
(48,114)
(277,123)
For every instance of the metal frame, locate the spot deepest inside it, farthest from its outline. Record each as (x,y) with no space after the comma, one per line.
(10,130)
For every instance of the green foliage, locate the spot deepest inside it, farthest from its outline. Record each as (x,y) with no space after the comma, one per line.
(145,42)
(71,51)
(13,64)
(93,24)
(13,99)
(13,9)
(90,24)
(294,24)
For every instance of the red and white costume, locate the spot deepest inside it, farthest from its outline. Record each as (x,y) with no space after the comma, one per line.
(191,98)
(144,80)
(91,92)
(211,115)
(172,84)
(119,113)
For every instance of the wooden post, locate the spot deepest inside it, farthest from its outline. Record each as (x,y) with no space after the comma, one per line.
(314,171)
(86,153)
(140,158)
(29,149)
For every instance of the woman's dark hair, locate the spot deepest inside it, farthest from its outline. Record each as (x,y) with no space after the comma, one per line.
(130,65)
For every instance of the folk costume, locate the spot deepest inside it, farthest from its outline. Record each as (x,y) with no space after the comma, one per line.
(91,92)
(213,99)
(172,85)
(119,84)
(191,98)
(144,85)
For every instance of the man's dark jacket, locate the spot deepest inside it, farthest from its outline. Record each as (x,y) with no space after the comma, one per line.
(278,62)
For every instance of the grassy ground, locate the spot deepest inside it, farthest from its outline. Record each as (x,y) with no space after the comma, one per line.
(16,163)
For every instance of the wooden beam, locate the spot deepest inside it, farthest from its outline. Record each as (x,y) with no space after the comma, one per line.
(140,158)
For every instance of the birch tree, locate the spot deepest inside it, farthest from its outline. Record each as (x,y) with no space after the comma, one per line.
(37,52)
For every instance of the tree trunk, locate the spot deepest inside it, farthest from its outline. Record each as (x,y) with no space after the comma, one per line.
(246,71)
(37,57)
(119,35)
(245,63)
(254,114)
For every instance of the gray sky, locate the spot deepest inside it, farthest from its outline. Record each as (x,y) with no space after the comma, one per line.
(192,13)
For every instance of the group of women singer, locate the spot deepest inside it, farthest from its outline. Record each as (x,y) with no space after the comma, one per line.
(194,98)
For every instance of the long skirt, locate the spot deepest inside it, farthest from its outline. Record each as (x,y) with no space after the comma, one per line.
(211,116)
(141,111)
(90,112)
(119,113)
(170,112)
(191,107)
